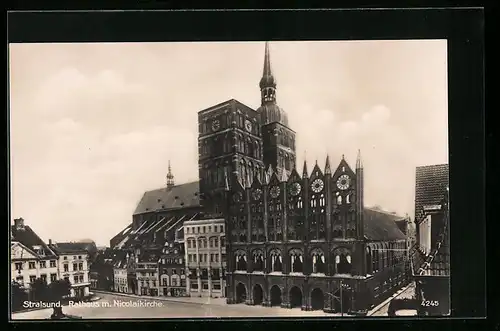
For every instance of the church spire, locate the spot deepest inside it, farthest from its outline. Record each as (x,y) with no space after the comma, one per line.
(170,177)
(328,169)
(267,83)
(359,163)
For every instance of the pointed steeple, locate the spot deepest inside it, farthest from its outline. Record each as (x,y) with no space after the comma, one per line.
(359,163)
(328,169)
(267,79)
(170,177)
(305,173)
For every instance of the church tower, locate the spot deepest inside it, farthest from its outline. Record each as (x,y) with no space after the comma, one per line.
(278,138)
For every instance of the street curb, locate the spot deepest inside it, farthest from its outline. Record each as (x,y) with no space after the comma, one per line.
(386,301)
(155,298)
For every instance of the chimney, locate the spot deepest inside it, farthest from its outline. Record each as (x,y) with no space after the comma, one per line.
(50,241)
(19,223)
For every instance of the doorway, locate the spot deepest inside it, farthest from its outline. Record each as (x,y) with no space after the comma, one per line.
(275,296)
(295,297)
(317,299)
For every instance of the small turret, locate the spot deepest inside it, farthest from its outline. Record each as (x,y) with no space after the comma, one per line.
(170,177)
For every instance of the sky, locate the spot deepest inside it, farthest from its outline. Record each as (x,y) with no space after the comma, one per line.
(93,126)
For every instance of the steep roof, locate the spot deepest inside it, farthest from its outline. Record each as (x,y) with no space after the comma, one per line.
(381,226)
(120,236)
(179,196)
(71,247)
(26,236)
(430,187)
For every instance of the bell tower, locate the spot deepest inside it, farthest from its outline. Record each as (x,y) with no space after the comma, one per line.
(278,138)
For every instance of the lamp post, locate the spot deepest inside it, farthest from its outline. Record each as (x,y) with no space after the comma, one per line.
(339,299)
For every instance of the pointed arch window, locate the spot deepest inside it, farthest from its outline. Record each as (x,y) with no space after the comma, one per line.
(296,261)
(318,262)
(241,261)
(343,263)
(250,147)
(256,150)
(276,261)
(369,263)
(339,198)
(258,261)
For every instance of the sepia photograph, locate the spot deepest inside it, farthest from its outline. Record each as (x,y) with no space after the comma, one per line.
(229,179)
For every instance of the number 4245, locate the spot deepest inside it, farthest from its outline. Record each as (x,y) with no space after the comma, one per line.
(430,303)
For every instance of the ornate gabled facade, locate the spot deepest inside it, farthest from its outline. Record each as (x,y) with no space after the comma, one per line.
(302,241)
(295,239)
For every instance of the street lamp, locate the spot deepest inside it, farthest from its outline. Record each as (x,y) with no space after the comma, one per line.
(339,299)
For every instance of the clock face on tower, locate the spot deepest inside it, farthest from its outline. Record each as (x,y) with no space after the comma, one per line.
(237,197)
(257,194)
(215,125)
(343,182)
(317,185)
(275,192)
(248,125)
(295,189)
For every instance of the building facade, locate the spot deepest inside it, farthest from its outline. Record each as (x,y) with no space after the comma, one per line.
(31,258)
(73,266)
(147,273)
(205,256)
(172,270)
(292,240)
(431,254)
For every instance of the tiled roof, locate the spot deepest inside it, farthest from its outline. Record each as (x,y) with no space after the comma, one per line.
(402,225)
(26,236)
(179,196)
(149,256)
(71,247)
(120,259)
(120,236)
(430,187)
(381,226)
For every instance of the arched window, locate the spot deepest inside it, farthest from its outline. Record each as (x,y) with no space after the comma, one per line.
(256,153)
(276,261)
(296,261)
(343,263)
(241,261)
(369,263)
(318,261)
(249,150)
(258,260)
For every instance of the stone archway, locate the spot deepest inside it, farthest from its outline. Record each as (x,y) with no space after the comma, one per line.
(241,293)
(275,296)
(295,297)
(258,294)
(317,299)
